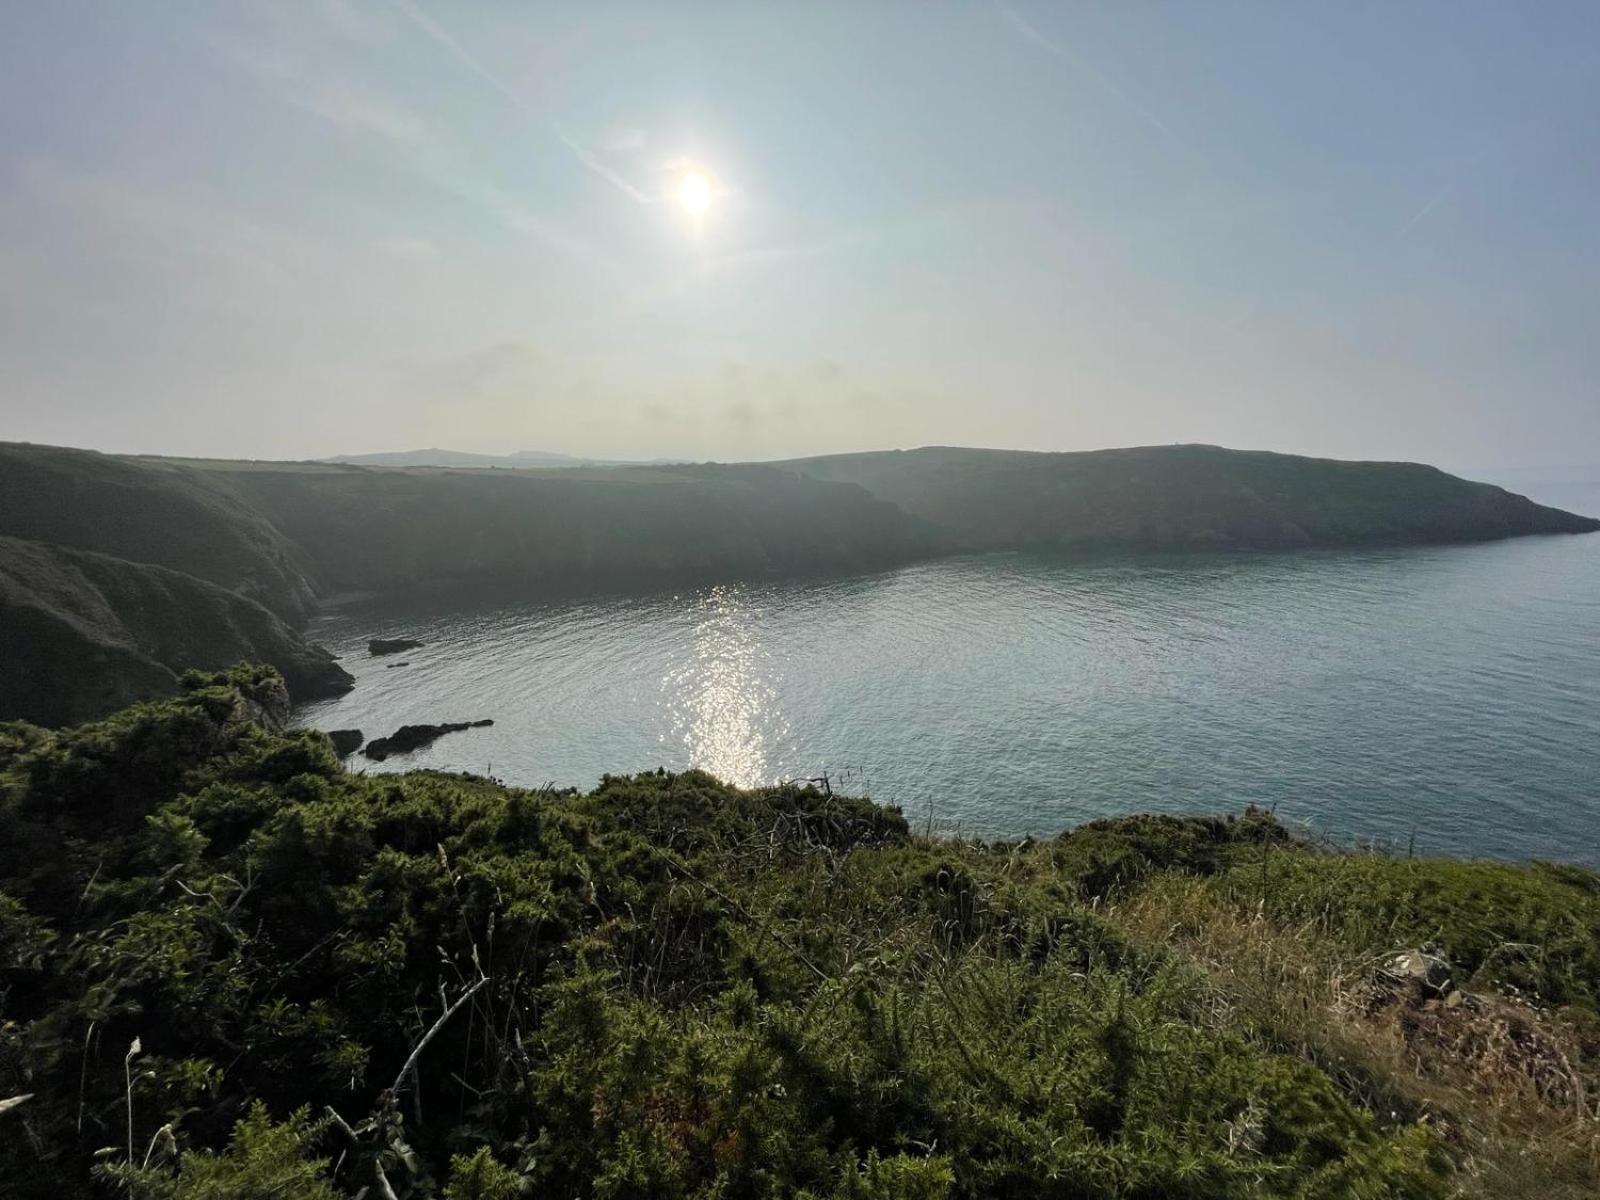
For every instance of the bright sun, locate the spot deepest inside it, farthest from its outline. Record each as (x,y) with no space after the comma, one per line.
(694,193)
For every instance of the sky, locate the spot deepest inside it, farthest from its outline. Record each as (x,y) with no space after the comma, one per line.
(733,231)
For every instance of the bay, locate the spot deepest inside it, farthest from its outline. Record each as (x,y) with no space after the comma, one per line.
(1446,697)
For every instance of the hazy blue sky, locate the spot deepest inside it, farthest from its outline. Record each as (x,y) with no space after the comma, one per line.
(278,229)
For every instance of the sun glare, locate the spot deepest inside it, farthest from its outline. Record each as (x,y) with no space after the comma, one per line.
(695,193)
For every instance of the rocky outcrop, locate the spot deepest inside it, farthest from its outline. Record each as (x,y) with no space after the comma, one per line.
(345,741)
(84,634)
(413,737)
(262,700)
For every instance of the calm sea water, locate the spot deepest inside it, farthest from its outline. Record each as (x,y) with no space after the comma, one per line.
(1449,694)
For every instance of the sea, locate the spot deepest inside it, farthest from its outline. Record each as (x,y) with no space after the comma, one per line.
(1429,700)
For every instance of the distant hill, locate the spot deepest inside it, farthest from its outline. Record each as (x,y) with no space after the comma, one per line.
(279,535)
(576,529)
(1186,497)
(521,460)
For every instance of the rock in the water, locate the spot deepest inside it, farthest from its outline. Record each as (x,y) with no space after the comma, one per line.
(411,737)
(379,646)
(346,741)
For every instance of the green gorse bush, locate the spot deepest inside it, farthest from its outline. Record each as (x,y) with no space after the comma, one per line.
(431,985)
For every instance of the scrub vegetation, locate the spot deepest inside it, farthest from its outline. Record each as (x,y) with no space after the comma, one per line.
(231,968)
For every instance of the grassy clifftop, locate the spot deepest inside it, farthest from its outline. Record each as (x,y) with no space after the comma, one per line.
(1187,496)
(230,968)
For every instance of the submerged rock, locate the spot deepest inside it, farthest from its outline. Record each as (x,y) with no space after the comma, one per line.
(379,646)
(346,741)
(412,737)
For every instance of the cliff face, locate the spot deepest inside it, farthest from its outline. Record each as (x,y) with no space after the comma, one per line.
(1187,496)
(570,529)
(152,511)
(82,634)
(116,574)
(280,533)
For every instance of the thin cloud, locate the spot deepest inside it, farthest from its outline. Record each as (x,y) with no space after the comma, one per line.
(364,111)
(223,255)
(623,140)
(857,239)
(470,61)
(1427,208)
(598,167)
(408,248)
(351,23)
(460,53)
(1022,26)
(521,390)
(707,269)
(359,109)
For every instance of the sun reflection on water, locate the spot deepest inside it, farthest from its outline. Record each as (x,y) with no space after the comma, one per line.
(721,701)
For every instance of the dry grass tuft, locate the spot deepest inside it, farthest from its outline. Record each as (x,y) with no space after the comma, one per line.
(1508,1084)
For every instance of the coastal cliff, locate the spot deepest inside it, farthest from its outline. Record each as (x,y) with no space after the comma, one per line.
(551,531)
(276,536)
(158,511)
(1187,497)
(82,634)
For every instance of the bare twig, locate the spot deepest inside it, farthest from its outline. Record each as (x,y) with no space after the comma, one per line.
(444,1017)
(83,1072)
(11,1102)
(127,1070)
